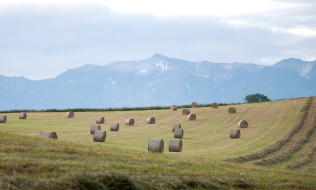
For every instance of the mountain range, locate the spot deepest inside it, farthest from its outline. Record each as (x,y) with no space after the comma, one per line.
(159,81)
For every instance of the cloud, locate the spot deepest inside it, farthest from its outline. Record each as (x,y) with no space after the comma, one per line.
(175,7)
(290,16)
(41,41)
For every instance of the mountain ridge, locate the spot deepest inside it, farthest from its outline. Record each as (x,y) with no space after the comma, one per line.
(160,81)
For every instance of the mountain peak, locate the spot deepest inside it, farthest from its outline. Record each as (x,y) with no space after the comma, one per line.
(159,56)
(289,61)
(304,68)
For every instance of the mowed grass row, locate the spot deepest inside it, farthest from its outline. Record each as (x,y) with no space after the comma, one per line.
(37,163)
(307,148)
(208,136)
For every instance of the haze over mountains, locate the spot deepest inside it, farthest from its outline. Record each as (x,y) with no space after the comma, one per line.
(160,81)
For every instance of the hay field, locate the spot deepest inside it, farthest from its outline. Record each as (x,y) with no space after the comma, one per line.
(74,161)
(206,137)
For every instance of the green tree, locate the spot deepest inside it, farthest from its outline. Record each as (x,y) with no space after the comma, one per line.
(256,98)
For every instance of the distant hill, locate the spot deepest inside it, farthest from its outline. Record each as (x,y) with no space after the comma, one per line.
(160,81)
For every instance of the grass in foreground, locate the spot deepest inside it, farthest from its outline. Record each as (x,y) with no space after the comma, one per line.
(36,163)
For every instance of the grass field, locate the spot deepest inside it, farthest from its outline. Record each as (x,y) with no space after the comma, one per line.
(124,159)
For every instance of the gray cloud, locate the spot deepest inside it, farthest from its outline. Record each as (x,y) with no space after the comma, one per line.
(303,14)
(41,42)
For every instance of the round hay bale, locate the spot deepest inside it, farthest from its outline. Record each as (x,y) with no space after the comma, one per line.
(185,111)
(70,114)
(192,116)
(214,105)
(234,133)
(243,124)
(175,145)
(151,120)
(3,119)
(194,105)
(155,145)
(114,127)
(176,126)
(178,133)
(100,120)
(173,107)
(48,134)
(99,136)
(129,121)
(22,115)
(232,110)
(94,128)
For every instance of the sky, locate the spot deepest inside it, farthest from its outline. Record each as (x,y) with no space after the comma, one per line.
(40,39)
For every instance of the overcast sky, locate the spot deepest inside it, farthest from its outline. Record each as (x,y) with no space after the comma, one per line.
(41,39)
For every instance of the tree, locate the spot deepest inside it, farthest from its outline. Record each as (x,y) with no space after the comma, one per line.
(256,98)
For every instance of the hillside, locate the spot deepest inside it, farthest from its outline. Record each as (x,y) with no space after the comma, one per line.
(206,144)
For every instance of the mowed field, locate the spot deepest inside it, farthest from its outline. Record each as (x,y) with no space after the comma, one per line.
(207,136)
(276,151)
